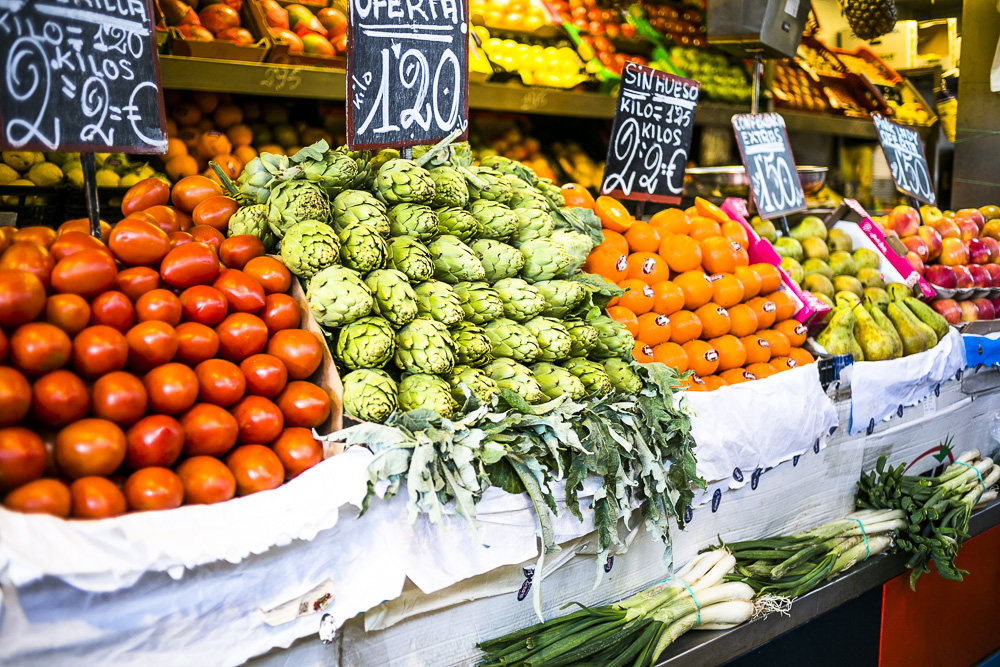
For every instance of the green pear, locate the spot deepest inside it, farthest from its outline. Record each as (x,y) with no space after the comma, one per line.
(848,284)
(846,299)
(838,336)
(898,291)
(818,283)
(793,268)
(927,330)
(815,247)
(856,351)
(885,324)
(914,340)
(877,296)
(842,264)
(813,265)
(875,343)
(839,240)
(809,226)
(789,247)
(765,229)
(928,316)
(870,277)
(866,258)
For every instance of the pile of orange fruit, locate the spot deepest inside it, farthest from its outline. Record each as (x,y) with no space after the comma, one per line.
(693,301)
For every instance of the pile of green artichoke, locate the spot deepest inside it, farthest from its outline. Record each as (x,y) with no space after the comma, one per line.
(436,282)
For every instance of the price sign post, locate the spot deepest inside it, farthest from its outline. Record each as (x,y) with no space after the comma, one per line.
(905,153)
(774,183)
(407,71)
(79,78)
(651,136)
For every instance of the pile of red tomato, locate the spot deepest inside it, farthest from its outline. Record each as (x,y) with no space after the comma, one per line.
(160,366)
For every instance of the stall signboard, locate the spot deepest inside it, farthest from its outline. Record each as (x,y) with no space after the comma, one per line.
(770,167)
(904,151)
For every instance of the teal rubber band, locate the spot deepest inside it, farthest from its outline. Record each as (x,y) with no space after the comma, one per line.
(979,475)
(868,551)
(697,605)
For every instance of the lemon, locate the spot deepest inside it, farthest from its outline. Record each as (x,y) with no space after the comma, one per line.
(11,200)
(130,179)
(7,175)
(99,159)
(39,156)
(106,178)
(19,161)
(75,177)
(45,174)
(145,171)
(116,161)
(61,158)
(71,165)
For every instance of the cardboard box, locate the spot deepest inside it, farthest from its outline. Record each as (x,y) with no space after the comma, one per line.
(326,376)
(913,44)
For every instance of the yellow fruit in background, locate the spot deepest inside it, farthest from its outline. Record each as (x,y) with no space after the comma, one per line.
(75,177)
(19,161)
(7,175)
(117,162)
(130,179)
(99,159)
(106,178)
(61,158)
(285,134)
(71,165)
(39,156)
(145,171)
(11,200)
(45,174)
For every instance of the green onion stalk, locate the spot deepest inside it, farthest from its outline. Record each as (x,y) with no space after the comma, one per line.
(937,508)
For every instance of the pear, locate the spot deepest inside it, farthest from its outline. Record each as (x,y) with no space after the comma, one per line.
(838,336)
(846,299)
(842,264)
(875,343)
(856,351)
(877,296)
(839,240)
(848,284)
(813,265)
(898,291)
(885,324)
(815,247)
(818,283)
(765,229)
(928,316)
(789,247)
(927,330)
(866,258)
(870,277)
(793,268)
(914,340)
(809,226)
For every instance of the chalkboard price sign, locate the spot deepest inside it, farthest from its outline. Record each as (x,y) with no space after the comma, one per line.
(80,76)
(650,136)
(407,71)
(905,153)
(767,157)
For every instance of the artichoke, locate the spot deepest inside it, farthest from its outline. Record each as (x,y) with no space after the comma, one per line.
(294,201)
(362,248)
(496,221)
(480,302)
(477,381)
(252,220)
(577,245)
(472,345)
(425,346)
(528,199)
(361,159)
(359,206)
(551,191)
(338,296)
(510,340)
(510,167)
(454,262)
(458,223)
(333,173)
(375,164)
(532,224)
(402,181)
(421,390)
(521,301)
(518,184)
(369,395)
(449,187)
(366,343)
(623,377)
(439,158)
(584,337)
(308,247)
(512,376)
(556,381)
(437,301)
(411,257)
(499,260)
(592,374)
(497,189)
(263,172)
(394,297)
(543,260)
(561,296)
(414,220)
(554,342)
(613,340)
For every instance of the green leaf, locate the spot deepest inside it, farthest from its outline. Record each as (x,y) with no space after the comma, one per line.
(313,152)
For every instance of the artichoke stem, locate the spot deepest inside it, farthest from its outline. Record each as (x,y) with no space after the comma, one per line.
(227,183)
(475,180)
(438,147)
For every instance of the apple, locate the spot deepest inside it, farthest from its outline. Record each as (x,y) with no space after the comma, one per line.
(967,229)
(948,213)
(986,309)
(932,240)
(991,229)
(905,220)
(954,251)
(970,313)
(930,214)
(948,309)
(963,278)
(942,276)
(980,276)
(917,245)
(971,214)
(915,261)
(993,246)
(996,306)
(978,252)
(947,228)
(994,271)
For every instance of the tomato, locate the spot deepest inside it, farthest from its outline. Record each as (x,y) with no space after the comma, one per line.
(208,430)
(179,239)
(90,447)
(206,480)
(270,273)
(39,347)
(42,496)
(112,309)
(304,404)
(237,250)
(119,397)
(66,244)
(22,457)
(255,468)
(244,294)
(195,343)
(300,350)
(266,375)
(99,350)
(215,212)
(29,257)
(192,190)
(167,218)
(43,236)
(260,420)
(4,346)
(58,398)
(297,450)
(189,265)
(143,216)
(22,297)
(83,225)
(15,396)
(203,304)
(156,440)
(161,305)
(139,243)
(153,488)
(172,388)
(240,336)
(281,312)
(220,382)
(136,281)
(151,344)
(87,273)
(69,312)
(209,236)
(146,193)
(96,498)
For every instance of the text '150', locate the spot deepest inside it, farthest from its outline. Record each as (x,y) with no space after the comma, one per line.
(905,154)
(770,167)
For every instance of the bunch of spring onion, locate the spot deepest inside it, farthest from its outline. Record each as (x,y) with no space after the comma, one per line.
(637,630)
(938,508)
(793,565)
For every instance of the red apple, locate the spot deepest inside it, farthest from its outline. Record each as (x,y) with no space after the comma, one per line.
(994,271)
(947,228)
(986,310)
(963,278)
(973,215)
(967,229)
(942,276)
(917,245)
(932,240)
(996,306)
(993,246)
(930,214)
(978,252)
(980,276)
(970,313)
(904,220)
(915,261)
(954,251)
(948,309)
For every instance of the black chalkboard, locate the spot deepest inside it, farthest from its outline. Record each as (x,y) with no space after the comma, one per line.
(904,151)
(650,136)
(80,76)
(767,157)
(407,71)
